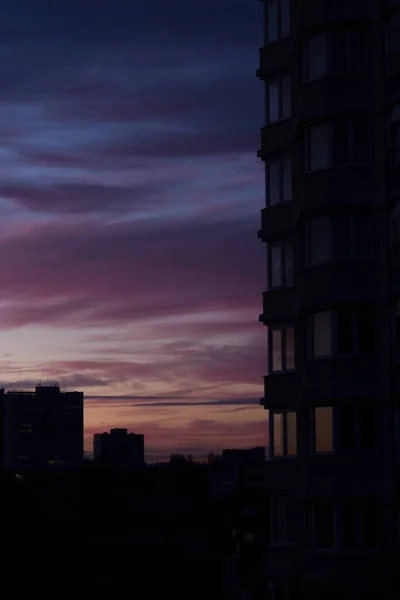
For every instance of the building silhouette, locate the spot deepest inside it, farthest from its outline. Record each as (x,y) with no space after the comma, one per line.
(119,448)
(331,147)
(41,428)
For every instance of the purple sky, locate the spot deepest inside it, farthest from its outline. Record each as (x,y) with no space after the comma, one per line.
(130,194)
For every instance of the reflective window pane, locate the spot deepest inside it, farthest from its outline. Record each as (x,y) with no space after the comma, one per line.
(324,526)
(276,265)
(322,333)
(277,350)
(288,265)
(272,21)
(278,520)
(323,429)
(317,57)
(318,147)
(287,179)
(285,18)
(286,98)
(274,112)
(289,348)
(291,433)
(319,240)
(278,434)
(275,182)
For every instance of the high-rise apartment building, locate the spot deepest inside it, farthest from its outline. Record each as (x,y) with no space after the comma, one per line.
(41,428)
(331,307)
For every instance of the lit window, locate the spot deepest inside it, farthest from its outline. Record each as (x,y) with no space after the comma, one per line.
(280,264)
(281,349)
(283,433)
(279,99)
(279,181)
(278,20)
(343,332)
(279,520)
(323,429)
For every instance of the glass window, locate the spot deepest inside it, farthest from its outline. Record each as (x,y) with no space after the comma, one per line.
(281,347)
(279,515)
(396,333)
(349,526)
(347,428)
(319,241)
(367,428)
(350,50)
(345,331)
(291,426)
(281,264)
(369,525)
(395,134)
(316,57)
(277,362)
(365,331)
(323,429)
(278,20)
(318,151)
(278,434)
(283,433)
(279,181)
(359,131)
(359,48)
(324,526)
(322,333)
(279,99)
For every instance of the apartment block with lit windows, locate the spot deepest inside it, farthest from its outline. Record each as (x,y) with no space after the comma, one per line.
(331,306)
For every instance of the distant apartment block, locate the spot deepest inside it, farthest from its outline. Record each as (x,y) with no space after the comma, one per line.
(41,428)
(119,448)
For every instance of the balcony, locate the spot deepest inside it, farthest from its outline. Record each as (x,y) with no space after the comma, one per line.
(278,219)
(352,93)
(281,390)
(280,304)
(275,57)
(335,283)
(276,137)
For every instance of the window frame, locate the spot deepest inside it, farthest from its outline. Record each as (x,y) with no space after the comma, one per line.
(279,162)
(280,31)
(314,450)
(335,523)
(285,501)
(393,134)
(306,56)
(357,433)
(335,334)
(359,508)
(285,246)
(331,128)
(283,329)
(280,81)
(285,454)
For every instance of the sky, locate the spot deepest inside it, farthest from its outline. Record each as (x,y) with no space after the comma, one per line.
(130,197)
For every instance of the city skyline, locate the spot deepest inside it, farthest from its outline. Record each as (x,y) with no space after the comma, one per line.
(130,195)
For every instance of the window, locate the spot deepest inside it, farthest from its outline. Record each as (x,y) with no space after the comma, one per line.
(279,181)
(279,520)
(395,225)
(322,334)
(356,428)
(341,51)
(349,50)
(346,331)
(283,434)
(396,332)
(393,35)
(337,143)
(355,331)
(358,525)
(281,349)
(280,262)
(324,526)
(318,141)
(278,20)
(279,99)
(323,429)
(318,242)
(316,57)
(394,141)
